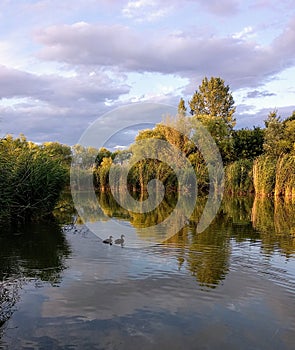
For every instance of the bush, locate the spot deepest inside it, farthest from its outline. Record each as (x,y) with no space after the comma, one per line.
(30,180)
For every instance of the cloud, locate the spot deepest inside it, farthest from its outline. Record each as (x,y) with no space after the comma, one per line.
(220,8)
(256,93)
(247,116)
(42,123)
(58,90)
(97,61)
(145,10)
(52,107)
(150,10)
(245,33)
(241,63)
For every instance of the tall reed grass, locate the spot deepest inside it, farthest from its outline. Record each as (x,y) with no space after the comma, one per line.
(239,177)
(285,177)
(275,176)
(264,175)
(30,181)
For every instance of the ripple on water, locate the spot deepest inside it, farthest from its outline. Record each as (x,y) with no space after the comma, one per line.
(248,257)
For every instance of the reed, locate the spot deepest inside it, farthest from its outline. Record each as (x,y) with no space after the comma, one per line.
(285,176)
(30,181)
(264,175)
(239,177)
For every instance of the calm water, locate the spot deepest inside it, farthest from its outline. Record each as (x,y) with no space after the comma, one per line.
(230,287)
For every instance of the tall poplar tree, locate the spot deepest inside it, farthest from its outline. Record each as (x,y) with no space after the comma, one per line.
(214,98)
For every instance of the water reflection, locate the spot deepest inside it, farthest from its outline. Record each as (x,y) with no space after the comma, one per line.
(206,255)
(35,252)
(275,221)
(214,289)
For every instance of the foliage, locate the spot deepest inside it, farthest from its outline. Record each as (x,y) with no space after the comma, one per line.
(101,154)
(289,135)
(219,131)
(181,107)
(264,175)
(104,170)
(285,176)
(254,159)
(274,142)
(215,99)
(239,177)
(59,152)
(248,143)
(84,157)
(31,180)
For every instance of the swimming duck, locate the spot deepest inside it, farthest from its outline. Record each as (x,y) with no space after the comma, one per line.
(108,240)
(120,240)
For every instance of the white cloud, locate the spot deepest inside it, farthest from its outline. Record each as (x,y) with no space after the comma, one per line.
(220,8)
(242,63)
(245,33)
(51,107)
(144,10)
(71,62)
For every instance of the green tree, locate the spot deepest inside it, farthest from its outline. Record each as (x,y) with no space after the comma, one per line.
(101,154)
(85,156)
(274,142)
(215,99)
(248,143)
(103,172)
(176,131)
(181,107)
(219,131)
(289,135)
(291,118)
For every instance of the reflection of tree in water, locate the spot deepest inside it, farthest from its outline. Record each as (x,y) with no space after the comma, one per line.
(275,221)
(207,254)
(65,209)
(37,253)
(8,297)
(153,217)
(110,207)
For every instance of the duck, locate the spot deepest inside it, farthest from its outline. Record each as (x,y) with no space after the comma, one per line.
(108,240)
(120,240)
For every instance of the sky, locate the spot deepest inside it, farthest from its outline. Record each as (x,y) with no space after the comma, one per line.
(63,64)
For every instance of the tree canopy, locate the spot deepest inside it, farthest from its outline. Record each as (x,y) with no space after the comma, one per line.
(215,99)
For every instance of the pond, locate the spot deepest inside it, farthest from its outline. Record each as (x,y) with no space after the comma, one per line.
(231,286)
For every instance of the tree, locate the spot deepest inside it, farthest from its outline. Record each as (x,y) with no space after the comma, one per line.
(274,143)
(103,172)
(101,154)
(248,144)
(214,99)
(291,118)
(181,107)
(176,131)
(289,134)
(219,131)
